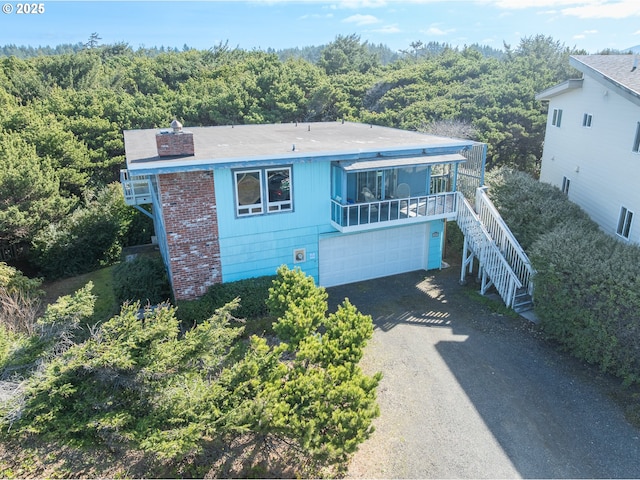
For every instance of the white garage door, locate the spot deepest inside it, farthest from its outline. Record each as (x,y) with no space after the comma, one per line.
(363,256)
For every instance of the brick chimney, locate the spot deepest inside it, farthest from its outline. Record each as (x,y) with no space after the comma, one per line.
(175,143)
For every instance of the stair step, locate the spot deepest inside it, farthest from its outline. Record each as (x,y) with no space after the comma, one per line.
(522,302)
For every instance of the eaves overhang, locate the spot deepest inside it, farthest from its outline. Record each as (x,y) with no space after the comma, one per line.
(427,154)
(559,89)
(607,80)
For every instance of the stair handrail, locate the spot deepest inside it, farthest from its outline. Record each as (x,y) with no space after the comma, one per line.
(504,279)
(507,243)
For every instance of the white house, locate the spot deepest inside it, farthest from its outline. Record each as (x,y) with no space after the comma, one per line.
(592,141)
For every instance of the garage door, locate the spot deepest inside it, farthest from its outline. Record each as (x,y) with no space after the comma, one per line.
(363,256)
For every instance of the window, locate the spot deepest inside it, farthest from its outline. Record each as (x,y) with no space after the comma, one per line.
(586,120)
(557,117)
(266,190)
(624,222)
(565,185)
(279,184)
(636,141)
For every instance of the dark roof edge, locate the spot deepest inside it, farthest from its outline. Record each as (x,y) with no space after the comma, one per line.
(605,80)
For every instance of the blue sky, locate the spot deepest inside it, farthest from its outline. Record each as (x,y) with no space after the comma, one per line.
(589,24)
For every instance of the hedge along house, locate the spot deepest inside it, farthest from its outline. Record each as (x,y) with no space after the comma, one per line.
(343,201)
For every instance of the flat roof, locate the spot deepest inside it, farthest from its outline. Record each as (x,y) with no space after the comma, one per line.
(235,145)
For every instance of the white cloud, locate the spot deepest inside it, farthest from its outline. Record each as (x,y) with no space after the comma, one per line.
(522,4)
(359,19)
(616,9)
(636,33)
(437,31)
(355,4)
(388,29)
(316,15)
(608,9)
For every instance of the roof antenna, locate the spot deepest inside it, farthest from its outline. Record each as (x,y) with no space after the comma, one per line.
(635,63)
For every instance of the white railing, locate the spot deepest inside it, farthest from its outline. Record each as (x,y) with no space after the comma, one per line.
(397,210)
(504,239)
(494,267)
(136,188)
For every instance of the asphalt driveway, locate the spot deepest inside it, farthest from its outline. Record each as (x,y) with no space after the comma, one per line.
(471,393)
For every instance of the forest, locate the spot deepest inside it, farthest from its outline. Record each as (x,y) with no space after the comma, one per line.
(62,113)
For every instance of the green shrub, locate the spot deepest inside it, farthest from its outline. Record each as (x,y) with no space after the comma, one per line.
(144,280)
(141,382)
(532,208)
(588,297)
(87,239)
(587,285)
(252,292)
(137,381)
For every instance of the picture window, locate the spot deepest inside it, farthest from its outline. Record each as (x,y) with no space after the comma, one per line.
(265,190)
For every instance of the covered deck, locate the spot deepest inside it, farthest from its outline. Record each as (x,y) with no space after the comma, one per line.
(373,193)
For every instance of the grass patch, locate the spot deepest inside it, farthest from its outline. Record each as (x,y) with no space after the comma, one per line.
(106,305)
(495,306)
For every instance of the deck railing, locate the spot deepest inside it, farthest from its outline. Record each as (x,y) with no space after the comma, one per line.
(495,268)
(396,210)
(504,239)
(136,188)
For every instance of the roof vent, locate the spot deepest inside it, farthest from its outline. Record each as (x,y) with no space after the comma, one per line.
(176,126)
(175,143)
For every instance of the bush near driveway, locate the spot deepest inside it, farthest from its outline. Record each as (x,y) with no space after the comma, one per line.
(587,285)
(145,383)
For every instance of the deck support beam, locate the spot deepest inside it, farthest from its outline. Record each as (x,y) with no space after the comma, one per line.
(146,212)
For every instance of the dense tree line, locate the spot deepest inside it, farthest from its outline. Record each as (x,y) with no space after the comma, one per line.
(62,116)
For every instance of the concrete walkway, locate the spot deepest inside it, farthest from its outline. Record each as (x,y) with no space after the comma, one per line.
(468,393)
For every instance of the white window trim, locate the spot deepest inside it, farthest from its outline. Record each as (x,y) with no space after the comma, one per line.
(587,119)
(283,205)
(566,184)
(556,119)
(264,205)
(248,209)
(636,140)
(625,219)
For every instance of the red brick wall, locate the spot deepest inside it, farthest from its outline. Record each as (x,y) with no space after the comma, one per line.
(175,144)
(191,223)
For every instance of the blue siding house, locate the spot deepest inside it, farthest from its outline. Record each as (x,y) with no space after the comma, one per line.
(343,201)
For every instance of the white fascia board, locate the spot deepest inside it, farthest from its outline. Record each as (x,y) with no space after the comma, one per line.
(556,90)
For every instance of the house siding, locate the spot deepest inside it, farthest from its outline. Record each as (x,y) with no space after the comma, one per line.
(598,160)
(189,215)
(257,245)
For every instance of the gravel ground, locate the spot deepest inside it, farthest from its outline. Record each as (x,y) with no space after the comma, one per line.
(471,393)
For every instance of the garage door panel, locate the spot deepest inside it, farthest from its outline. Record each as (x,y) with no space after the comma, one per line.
(362,256)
